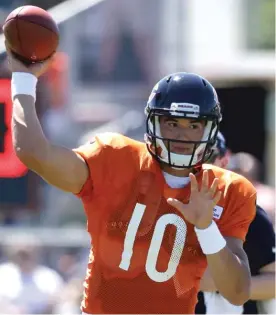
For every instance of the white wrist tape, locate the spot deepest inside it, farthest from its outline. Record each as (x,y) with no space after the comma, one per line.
(210,239)
(23,83)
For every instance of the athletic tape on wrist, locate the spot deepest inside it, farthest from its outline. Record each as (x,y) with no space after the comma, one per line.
(210,239)
(23,83)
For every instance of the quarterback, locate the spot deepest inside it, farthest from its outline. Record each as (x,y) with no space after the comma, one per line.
(157,215)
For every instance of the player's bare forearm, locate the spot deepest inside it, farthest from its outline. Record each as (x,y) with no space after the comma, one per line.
(230,272)
(28,136)
(207,283)
(58,166)
(262,286)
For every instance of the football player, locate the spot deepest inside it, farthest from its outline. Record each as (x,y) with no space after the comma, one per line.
(260,249)
(149,206)
(248,166)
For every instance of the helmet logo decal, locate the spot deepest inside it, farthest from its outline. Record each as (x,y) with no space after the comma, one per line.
(190,110)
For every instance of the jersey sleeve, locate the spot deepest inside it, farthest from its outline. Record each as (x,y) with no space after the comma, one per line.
(240,209)
(95,154)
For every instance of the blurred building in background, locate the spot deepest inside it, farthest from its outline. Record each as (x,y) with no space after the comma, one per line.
(110,55)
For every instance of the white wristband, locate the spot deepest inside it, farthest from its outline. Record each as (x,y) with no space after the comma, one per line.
(210,239)
(23,83)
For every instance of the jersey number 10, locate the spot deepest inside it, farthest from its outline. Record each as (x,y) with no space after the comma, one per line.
(155,245)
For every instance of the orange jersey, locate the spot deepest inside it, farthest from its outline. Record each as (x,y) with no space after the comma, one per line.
(145,257)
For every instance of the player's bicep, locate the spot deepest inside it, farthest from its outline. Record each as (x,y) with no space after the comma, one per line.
(62,168)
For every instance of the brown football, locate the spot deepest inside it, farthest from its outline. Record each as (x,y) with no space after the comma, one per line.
(31,33)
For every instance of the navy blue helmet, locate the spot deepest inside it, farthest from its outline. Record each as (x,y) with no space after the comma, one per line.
(182,95)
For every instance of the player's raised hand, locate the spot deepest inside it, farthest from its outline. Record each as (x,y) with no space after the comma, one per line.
(15,65)
(199,211)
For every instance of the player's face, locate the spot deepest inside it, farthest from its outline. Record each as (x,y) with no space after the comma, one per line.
(181,129)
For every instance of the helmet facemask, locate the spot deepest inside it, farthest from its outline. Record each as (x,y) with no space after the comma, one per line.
(201,149)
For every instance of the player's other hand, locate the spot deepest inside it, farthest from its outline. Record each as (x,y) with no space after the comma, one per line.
(37,69)
(199,211)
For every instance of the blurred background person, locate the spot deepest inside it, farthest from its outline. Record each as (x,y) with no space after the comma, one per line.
(248,166)
(70,298)
(26,285)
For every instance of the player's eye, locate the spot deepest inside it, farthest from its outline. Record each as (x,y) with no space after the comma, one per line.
(172,124)
(194,126)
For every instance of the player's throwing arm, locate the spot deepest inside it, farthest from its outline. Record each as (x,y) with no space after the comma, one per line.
(59,166)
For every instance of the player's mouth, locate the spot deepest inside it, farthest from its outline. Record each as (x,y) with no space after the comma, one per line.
(178,149)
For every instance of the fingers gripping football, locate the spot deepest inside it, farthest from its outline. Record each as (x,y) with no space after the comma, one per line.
(37,69)
(199,210)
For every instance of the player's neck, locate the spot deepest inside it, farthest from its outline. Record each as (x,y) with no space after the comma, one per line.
(176,172)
